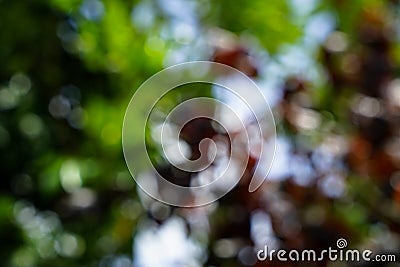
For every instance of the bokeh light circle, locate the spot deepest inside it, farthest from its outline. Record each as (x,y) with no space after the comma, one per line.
(149,94)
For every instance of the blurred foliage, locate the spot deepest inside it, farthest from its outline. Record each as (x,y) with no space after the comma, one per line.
(69,67)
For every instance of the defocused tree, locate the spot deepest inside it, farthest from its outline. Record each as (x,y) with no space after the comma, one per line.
(69,68)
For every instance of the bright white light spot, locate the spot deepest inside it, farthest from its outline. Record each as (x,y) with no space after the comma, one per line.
(333,186)
(302,171)
(142,16)
(334,145)
(226,175)
(303,7)
(178,152)
(121,261)
(83,198)
(279,169)
(204,177)
(319,26)
(167,246)
(184,33)
(167,130)
(393,92)
(179,9)
(366,106)
(70,176)
(69,245)
(92,9)
(262,232)
(336,42)
(307,119)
